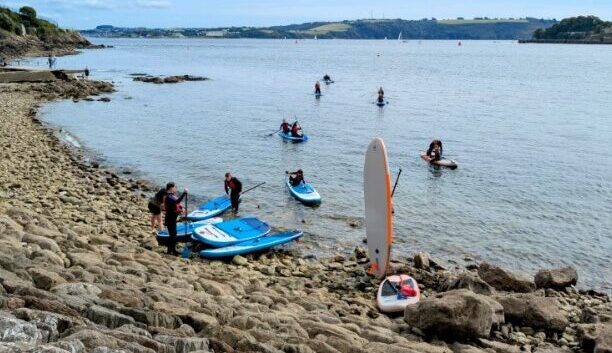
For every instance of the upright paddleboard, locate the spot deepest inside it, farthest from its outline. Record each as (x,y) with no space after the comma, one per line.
(378,207)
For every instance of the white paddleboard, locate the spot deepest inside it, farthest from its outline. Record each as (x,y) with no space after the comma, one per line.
(393,298)
(378,207)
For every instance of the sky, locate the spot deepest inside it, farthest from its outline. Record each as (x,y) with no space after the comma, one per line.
(86,14)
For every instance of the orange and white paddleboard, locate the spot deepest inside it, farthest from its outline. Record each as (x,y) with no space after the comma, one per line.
(378,207)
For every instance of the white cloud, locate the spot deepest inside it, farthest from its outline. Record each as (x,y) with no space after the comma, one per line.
(156,4)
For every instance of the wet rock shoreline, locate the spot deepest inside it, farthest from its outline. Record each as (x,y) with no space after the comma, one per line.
(80,272)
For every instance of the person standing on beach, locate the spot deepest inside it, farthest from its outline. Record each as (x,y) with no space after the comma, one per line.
(173,208)
(233,187)
(155,208)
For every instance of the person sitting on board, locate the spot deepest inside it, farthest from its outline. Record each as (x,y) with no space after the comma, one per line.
(326,78)
(233,187)
(155,208)
(296,130)
(296,178)
(318,88)
(432,145)
(173,207)
(381,92)
(285,127)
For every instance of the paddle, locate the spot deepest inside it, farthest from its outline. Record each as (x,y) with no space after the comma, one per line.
(275,132)
(254,187)
(396,181)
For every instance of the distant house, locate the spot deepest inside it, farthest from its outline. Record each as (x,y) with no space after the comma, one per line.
(216,34)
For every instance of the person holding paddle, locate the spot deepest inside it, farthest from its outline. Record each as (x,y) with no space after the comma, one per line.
(285,127)
(172,205)
(233,187)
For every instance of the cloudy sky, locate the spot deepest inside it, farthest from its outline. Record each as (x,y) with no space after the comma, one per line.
(84,14)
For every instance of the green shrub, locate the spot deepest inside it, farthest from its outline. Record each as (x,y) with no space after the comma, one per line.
(28,12)
(7,24)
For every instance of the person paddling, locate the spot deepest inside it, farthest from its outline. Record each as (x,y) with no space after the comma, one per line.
(296,178)
(326,78)
(285,127)
(318,88)
(233,187)
(296,130)
(173,208)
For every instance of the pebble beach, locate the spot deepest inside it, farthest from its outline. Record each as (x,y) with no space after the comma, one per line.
(81,272)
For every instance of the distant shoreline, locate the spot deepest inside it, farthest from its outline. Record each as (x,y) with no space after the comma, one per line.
(560,41)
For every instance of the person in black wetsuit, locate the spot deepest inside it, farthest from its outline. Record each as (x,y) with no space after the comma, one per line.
(296,130)
(296,178)
(285,127)
(155,208)
(326,78)
(432,146)
(233,187)
(173,208)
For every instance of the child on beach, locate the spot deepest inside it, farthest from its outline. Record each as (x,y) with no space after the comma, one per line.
(155,209)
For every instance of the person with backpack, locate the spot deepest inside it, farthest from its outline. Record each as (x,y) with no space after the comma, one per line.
(173,207)
(155,209)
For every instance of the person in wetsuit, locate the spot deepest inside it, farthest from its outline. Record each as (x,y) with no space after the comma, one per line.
(285,127)
(326,78)
(381,98)
(155,208)
(173,208)
(435,154)
(296,130)
(296,178)
(317,88)
(233,187)
(432,145)
(381,92)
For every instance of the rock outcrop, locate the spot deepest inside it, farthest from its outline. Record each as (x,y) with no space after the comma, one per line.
(557,279)
(533,311)
(504,280)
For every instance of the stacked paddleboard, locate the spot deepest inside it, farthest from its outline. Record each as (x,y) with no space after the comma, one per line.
(398,291)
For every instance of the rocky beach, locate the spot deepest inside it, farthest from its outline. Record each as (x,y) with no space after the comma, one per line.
(81,272)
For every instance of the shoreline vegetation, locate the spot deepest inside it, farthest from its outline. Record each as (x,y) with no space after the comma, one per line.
(81,272)
(575,30)
(460,28)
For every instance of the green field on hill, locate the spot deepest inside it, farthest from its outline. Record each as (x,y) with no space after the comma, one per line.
(480,22)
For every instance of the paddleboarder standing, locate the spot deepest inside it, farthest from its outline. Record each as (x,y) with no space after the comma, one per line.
(233,187)
(173,207)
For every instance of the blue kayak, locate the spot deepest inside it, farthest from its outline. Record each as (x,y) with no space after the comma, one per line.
(250,246)
(185,230)
(230,232)
(381,104)
(288,137)
(212,208)
(305,193)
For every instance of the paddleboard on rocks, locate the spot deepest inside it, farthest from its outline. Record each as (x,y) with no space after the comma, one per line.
(184,230)
(378,207)
(396,292)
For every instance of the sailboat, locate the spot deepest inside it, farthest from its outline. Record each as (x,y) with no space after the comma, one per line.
(399,37)
(315,37)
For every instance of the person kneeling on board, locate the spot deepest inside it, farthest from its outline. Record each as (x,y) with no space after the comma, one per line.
(326,78)
(296,130)
(233,187)
(173,207)
(432,145)
(296,178)
(285,127)
(317,88)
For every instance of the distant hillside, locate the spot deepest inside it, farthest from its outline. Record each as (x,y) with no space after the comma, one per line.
(23,33)
(581,29)
(479,28)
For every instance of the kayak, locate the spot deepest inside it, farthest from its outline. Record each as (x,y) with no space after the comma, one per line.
(230,232)
(185,230)
(212,208)
(250,246)
(392,299)
(305,193)
(288,137)
(448,163)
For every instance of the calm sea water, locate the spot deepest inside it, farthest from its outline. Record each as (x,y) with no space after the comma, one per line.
(530,126)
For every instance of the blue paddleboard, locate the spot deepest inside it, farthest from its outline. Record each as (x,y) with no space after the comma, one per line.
(381,104)
(184,230)
(230,232)
(250,246)
(288,137)
(212,208)
(305,193)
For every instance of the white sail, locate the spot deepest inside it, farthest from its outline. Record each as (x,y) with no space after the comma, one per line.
(400,36)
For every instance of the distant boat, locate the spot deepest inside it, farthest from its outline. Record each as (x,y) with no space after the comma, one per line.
(385,38)
(459,44)
(400,36)
(315,37)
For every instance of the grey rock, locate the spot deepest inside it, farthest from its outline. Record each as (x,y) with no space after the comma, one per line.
(421,261)
(468,280)
(16,330)
(533,311)
(595,338)
(557,279)
(184,344)
(107,317)
(503,280)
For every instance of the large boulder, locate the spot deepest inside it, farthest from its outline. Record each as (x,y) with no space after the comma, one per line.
(44,279)
(458,314)
(557,279)
(595,338)
(504,280)
(107,317)
(467,280)
(16,330)
(540,313)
